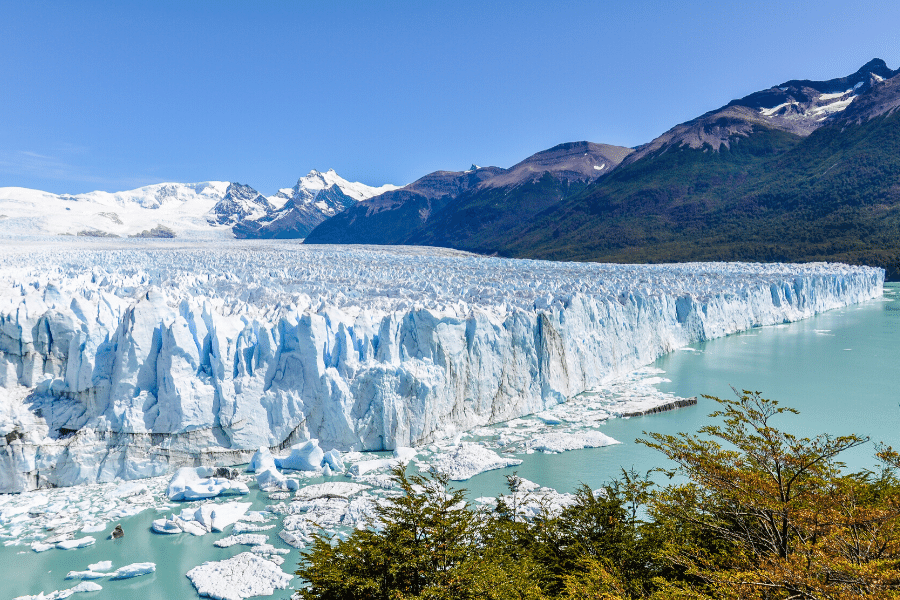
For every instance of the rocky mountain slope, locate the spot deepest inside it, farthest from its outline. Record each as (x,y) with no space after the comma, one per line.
(433,209)
(805,170)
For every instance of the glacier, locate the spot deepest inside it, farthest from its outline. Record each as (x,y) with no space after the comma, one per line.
(124,359)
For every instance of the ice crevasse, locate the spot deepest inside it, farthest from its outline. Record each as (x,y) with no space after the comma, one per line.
(131,362)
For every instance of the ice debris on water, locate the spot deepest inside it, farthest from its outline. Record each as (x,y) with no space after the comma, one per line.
(203,519)
(196,483)
(245,539)
(134,570)
(562,441)
(84,586)
(238,577)
(468,459)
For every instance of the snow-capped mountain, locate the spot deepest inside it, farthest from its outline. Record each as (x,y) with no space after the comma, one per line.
(207,209)
(180,207)
(296,211)
(239,203)
(799,106)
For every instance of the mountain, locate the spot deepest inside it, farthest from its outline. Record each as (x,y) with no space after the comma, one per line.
(239,203)
(218,209)
(802,171)
(296,211)
(182,207)
(769,195)
(432,209)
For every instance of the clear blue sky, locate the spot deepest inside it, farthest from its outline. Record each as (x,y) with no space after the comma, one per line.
(115,95)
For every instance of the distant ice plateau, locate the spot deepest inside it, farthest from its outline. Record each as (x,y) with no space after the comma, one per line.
(128,359)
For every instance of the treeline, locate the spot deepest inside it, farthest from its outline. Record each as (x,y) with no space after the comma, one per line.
(755,513)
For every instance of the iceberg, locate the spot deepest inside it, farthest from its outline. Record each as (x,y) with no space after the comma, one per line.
(245,539)
(563,441)
(134,570)
(84,586)
(469,459)
(239,577)
(196,484)
(126,362)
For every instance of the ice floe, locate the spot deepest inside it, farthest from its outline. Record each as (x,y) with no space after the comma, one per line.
(562,441)
(84,586)
(198,483)
(134,570)
(469,459)
(244,539)
(238,577)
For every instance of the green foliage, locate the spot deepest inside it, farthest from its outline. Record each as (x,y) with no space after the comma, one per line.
(760,514)
(427,547)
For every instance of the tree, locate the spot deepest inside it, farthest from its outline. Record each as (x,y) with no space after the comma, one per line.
(428,545)
(774,516)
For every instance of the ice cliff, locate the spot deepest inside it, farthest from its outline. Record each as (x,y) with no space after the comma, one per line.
(131,360)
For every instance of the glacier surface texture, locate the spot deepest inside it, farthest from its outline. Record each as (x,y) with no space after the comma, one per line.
(128,360)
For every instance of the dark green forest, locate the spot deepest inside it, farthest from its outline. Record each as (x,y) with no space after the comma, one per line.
(769,196)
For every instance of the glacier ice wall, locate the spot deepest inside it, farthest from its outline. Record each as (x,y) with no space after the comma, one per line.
(128,361)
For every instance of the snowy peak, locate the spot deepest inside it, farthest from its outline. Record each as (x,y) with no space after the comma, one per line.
(239,203)
(294,212)
(109,214)
(797,106)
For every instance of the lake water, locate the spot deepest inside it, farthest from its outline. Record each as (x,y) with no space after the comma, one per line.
(840,369)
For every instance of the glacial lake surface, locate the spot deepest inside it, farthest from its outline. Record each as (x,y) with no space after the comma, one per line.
(840,369)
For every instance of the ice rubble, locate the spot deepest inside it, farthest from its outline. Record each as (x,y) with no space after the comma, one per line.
(133,360)
(203,519)
(238,577)
(562,441)
(197,483)
(84,586)
(468,459)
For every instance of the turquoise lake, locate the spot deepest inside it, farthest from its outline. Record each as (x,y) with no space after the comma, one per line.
(840,369)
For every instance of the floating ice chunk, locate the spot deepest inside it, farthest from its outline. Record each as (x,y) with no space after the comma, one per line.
(246,539)
(73,544)
(89,574)
(365,466)
(268,477)
(41,546)
(562,441)
(332,459)
(268,549)
(469,459)
(194,484)
(84,586)
(134,570)
(343,489)
(166,526)
(129,489)
(239,577)
(94,528)
(404,454)
(241,527)
(203,519)
(223,515)
(103,565)
(303,457)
